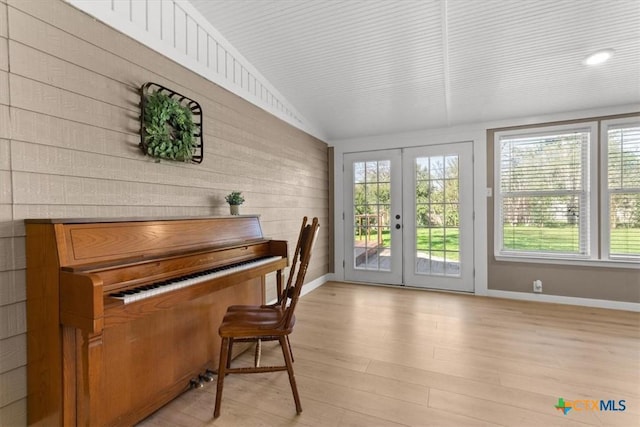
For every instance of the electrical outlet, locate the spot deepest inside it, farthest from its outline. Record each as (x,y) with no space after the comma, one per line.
(537,286)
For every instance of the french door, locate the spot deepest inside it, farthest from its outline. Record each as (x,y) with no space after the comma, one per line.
(409,217)
(373,217)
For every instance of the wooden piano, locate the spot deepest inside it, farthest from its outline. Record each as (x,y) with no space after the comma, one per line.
(123,313)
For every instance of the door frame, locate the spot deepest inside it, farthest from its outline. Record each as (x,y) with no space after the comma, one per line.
(477,135)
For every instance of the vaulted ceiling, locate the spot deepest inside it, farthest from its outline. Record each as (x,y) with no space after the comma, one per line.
(365,67)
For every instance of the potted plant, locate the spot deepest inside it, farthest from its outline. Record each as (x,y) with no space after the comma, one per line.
(235,199)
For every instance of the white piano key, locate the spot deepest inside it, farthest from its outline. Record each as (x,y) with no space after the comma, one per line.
(224,271)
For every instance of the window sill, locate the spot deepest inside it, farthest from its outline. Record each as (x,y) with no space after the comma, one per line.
(629,264)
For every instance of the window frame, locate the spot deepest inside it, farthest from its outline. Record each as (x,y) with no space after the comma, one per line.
(605,228)
(595,179)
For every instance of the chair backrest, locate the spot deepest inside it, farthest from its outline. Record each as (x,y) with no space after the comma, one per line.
(301,258)
(282,298)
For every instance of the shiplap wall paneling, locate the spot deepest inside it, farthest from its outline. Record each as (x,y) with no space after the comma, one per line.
(234,116)
(70,149)
(243,158)
(12,290)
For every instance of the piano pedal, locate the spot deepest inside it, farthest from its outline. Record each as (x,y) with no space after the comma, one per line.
(208,375)
(196,383)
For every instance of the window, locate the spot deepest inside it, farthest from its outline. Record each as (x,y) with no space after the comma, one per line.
(621,190)
(549,204)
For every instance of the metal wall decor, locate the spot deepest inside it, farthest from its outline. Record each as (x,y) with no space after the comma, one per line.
(170,125)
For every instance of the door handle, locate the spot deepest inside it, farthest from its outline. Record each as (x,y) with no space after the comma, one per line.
(398,226)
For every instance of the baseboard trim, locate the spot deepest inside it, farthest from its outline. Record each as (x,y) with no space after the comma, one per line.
(556,299)
(523,296)
(314,284)
(308,287)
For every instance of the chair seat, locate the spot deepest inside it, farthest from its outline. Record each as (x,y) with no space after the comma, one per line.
(254,322)
(252,307)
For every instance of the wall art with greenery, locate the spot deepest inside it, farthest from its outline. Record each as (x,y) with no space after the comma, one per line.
(170,125)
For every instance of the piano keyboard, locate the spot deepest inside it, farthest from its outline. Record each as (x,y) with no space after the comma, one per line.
(147,291)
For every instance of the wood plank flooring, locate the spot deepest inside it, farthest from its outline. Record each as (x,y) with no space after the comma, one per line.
(380,356)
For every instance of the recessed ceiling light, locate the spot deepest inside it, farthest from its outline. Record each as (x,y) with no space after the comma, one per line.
(599,57)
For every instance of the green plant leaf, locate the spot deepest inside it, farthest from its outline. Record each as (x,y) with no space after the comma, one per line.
(169,128)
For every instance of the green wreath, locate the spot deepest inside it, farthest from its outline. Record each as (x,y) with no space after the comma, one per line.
(168,127)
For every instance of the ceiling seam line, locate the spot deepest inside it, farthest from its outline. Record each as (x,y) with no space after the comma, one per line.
(445,60)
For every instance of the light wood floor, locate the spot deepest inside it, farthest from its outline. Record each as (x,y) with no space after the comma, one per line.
(378,356)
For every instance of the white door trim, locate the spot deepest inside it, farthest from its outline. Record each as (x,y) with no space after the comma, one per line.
(475,133)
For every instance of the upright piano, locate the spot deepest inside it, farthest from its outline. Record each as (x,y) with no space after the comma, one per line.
(123,313)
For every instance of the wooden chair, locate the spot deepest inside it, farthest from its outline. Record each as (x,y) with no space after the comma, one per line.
(269,322)
(283,295)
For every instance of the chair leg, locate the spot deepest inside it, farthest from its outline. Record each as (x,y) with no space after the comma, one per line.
(257,354)
(290,351)
(229,352)
(224,355)
(286,352)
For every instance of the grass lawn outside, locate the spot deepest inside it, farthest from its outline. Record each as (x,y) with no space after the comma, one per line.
(624,241)
(437,241)
(431,241)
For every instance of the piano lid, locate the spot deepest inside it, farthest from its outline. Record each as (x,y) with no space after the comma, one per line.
(127,219)
(107,240)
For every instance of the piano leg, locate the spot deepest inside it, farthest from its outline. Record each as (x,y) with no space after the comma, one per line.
(279,283)
(89,381)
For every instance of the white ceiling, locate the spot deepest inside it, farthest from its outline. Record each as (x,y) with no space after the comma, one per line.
(354,68)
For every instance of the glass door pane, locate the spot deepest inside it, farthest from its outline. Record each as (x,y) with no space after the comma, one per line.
(437,238)
(371,207)
(438,223)
(373,203)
